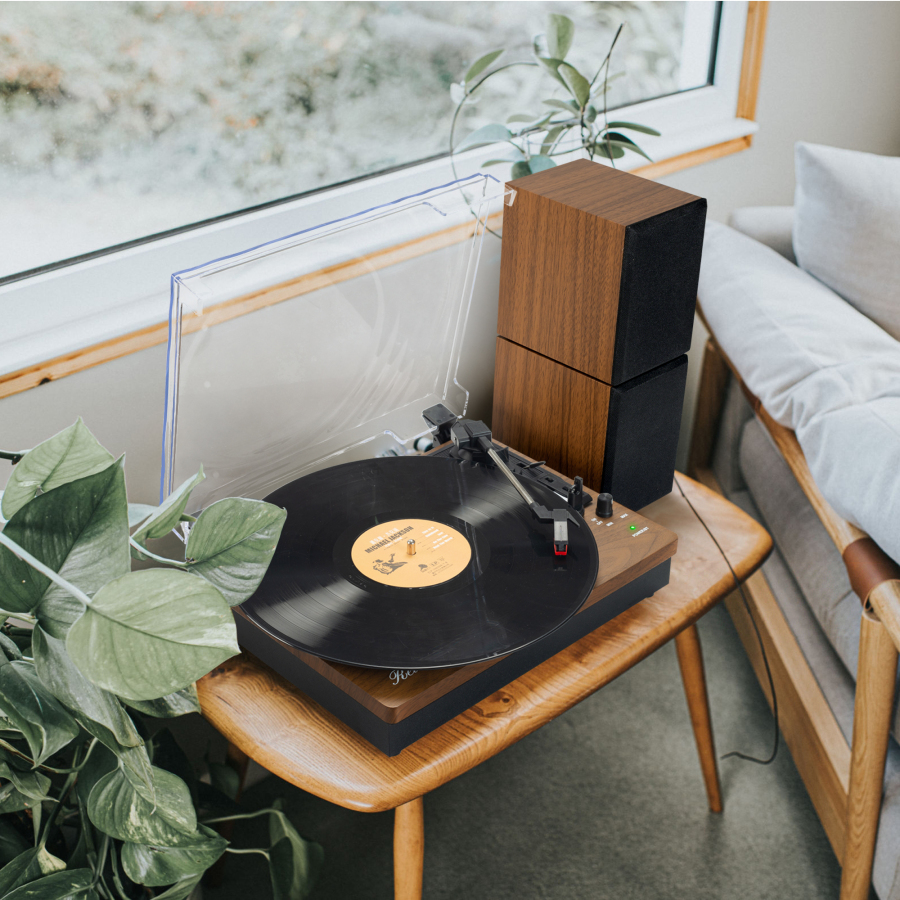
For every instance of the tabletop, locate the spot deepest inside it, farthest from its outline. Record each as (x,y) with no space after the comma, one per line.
(293,737)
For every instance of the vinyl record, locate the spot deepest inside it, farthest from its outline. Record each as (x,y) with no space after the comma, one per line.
(417,563)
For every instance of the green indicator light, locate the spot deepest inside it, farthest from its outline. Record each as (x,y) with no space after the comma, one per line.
(632,527)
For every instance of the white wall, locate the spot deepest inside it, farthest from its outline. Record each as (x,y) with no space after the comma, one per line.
(830,75)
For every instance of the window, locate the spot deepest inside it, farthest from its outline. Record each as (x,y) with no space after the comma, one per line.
(123,120)
(145,138)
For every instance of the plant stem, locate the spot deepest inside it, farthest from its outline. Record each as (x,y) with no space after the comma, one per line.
(64,793)
(35,563)
(13,456)
(605,81)
(259,850)
(101,859)
(22,617)
(250,815)
(148,553)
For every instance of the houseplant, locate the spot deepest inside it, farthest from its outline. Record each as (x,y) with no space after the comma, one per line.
(91,804)
(576,120)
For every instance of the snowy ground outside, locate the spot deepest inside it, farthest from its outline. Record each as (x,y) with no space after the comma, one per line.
(120,120)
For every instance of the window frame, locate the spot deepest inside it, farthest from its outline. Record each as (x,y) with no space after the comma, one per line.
(77,316)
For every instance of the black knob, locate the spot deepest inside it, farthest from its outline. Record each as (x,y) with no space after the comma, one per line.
(604,508)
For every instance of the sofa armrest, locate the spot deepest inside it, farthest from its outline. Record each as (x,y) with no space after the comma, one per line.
(770,225)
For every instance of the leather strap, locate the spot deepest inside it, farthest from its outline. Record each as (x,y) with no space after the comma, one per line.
(868,566)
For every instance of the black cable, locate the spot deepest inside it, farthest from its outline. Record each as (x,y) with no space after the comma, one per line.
(738,754)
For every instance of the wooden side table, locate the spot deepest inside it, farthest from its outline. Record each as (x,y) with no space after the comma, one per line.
(270,721)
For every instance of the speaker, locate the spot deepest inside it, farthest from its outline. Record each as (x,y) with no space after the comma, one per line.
(598,284)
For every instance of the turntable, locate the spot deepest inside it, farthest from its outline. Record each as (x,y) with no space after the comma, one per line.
(423,565)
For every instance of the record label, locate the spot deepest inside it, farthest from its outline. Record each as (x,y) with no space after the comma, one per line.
(411,553)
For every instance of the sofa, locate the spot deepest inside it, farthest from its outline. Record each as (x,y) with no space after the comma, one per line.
(815,356)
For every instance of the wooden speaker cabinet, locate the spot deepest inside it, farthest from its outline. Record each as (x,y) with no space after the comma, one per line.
(598,283)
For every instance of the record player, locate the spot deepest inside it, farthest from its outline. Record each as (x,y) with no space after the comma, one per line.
(423,565)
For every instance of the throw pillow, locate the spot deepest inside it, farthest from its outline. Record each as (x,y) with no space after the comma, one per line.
(847,227)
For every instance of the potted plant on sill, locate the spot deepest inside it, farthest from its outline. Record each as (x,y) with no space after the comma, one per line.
(575,121)
(92,806)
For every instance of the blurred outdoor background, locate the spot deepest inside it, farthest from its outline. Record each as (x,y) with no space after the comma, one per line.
(119,120)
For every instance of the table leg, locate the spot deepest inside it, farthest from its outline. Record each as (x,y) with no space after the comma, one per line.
(690,660)
(239,761)
(409,850)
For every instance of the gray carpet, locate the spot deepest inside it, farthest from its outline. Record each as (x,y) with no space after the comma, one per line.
(605,802)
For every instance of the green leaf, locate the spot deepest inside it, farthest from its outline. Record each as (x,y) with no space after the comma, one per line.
(33,785)
(28,867)
(168,514)
(24,868)
(12,844)
(64,680)
(576,83)
(232,544)
(180,890)
(540,163)
(12,800)
(33,711)
(9,648)
(552,66)
(176,704)
(520,117)
(104,760)
(567,105)
(480,65)
(487,134)
(58,886)
(520,169)
(620,140)
(611,152)
(550,137)
(514,155)
(79,530)
(73,453)
(156,866)
(118,809)
(643,129)
(152,632)
(137,512)
(294,863)
(560,32)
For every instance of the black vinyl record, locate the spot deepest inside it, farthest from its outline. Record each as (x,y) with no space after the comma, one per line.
(485,580)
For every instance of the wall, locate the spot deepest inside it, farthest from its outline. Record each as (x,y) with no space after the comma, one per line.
(829,75)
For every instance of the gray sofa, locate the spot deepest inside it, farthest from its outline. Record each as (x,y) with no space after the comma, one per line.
(805,572)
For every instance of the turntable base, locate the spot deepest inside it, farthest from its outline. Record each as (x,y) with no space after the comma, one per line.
(274,723)
(394,708)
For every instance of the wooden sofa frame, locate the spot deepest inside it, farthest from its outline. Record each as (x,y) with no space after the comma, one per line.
(844,782)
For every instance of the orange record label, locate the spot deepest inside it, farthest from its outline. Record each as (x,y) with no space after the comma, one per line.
(383,553)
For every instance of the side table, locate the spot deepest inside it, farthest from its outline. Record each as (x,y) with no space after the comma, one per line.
(270,721)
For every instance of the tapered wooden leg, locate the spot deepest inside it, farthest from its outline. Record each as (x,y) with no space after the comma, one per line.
(690,660)
(409,850)
(875,679)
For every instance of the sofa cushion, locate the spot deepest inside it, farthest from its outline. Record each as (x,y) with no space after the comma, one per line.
(847,227)
(770,225)
(819,367)
(810,554)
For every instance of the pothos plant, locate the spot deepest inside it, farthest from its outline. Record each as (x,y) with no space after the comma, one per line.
(91,805)
(574,118)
